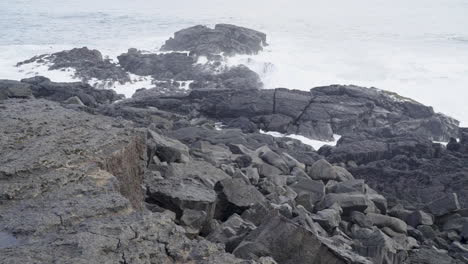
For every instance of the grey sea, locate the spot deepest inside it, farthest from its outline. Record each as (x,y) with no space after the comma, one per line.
(418,48)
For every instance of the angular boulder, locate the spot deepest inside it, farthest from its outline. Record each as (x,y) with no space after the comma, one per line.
(235,196)
(348,202)
(287,243)
(419,218)
(444,205)
(276,160)
(178,195)
(168,149)
(322,170)
(396,224)
(309,192)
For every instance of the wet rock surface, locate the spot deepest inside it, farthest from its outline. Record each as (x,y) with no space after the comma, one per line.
(152,179)
(88,64)
(319,114)
(177,67)
(224,38)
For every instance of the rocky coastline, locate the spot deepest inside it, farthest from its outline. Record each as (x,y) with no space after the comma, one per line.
(88,176)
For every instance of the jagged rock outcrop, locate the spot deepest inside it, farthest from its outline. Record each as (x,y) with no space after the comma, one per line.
(161,66)
(87,63)
(77,196)
(14,89)
(319,114)
(224,38)
(152,179)
(182,67)
(407,169)
(41,87)
(265,199)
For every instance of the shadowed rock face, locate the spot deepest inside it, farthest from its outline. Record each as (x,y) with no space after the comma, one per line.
(224,38)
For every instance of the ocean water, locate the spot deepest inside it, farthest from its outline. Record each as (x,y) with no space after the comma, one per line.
(418,48)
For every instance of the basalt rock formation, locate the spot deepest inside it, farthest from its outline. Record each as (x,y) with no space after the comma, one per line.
(89,178)
(224,38)
(407,169)
(88,64)
(317,114)
(129,183)
(41,87)
(176,66)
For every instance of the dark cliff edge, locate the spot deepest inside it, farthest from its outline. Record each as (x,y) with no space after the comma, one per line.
(89,177)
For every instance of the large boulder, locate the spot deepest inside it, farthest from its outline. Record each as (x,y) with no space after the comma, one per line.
(178,195)
(444,205)
(309,192)
(235,196)
(396,224)
(329,218)
(231,232)
(322,170)
(419,217)
(224,38)
(348,202)
(238,77)
(161,66)
(287,242)
(376,245)
(274,159)
(168,149)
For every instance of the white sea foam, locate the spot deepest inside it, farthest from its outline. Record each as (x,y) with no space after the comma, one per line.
(185,85)
(441,142)
(316,144)
(35,69)
(128,88)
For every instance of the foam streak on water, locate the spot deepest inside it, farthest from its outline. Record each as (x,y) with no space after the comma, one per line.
(417,48)
(316,144)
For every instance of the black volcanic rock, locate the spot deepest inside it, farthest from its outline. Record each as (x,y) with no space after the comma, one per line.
(224,38)
(237,77)
(412,172)
(80,183)
(181,67)
(162,66)
(366,147)
(44,88)
(320,113)
(154,179)
(14,89)
(163,188)
(87,63)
